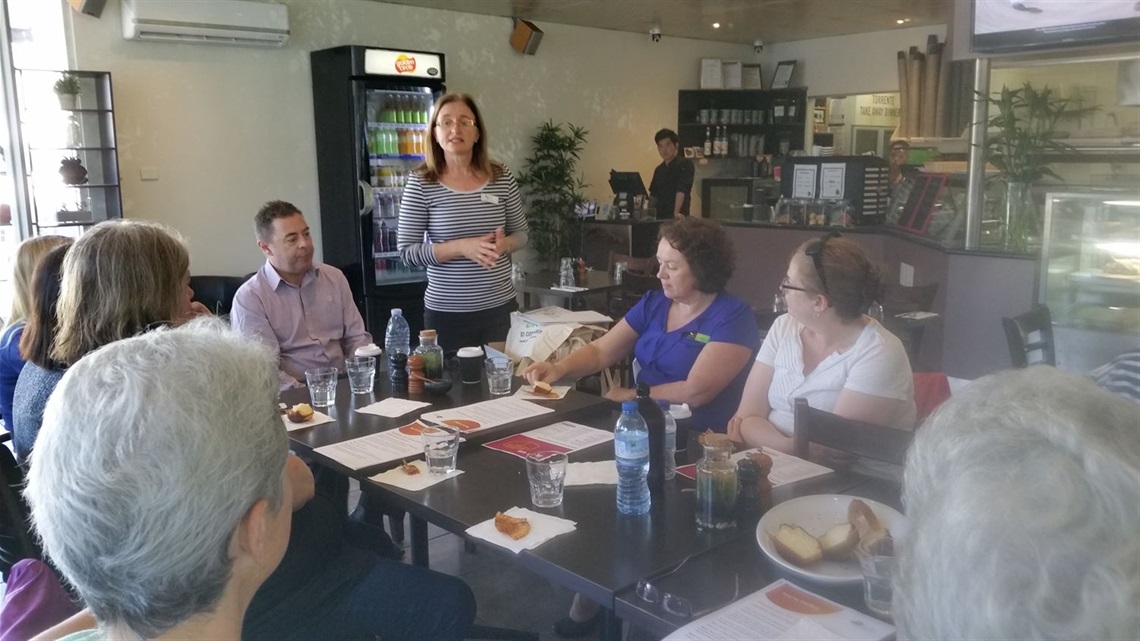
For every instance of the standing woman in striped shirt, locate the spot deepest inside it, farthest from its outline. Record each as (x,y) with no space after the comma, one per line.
(462,216)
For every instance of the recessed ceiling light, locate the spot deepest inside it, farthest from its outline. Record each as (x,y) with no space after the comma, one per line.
(716,25)
(902,20)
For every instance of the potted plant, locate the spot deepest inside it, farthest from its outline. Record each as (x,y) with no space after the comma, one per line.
(67,90)
(553,190)
(1023,134)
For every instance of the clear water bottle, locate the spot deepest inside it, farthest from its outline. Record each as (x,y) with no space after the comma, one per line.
(631,451)
(670,441)
(397,338)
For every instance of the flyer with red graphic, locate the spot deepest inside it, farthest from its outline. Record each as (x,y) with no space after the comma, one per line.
(564,437)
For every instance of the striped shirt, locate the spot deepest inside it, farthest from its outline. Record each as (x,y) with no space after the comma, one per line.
(1121,376)
(432,213)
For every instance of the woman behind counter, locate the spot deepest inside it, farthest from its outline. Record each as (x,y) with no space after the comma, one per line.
(691,340)
(826,350)
(472,213)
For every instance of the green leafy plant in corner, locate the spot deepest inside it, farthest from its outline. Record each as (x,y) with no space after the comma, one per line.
(553,190)
(68,84)
(1026,131)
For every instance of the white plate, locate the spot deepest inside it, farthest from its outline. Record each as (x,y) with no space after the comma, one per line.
(817,514)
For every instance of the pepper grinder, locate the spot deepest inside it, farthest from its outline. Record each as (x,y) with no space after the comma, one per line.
(581,272)
(399,375)
(763,485)
(748,503)
(416,374)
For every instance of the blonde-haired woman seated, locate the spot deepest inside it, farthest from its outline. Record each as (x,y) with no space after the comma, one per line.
(826,350)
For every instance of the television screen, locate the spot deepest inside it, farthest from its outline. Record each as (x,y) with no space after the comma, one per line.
(1012,25)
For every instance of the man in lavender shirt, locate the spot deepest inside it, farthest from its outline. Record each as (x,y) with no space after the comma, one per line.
(302,309)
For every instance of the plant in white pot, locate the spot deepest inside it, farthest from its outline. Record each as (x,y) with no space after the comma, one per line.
(67,90)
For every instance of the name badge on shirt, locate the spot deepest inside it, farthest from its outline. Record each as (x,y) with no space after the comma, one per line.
(489,198)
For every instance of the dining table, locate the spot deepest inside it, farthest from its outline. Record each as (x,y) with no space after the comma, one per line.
(545,285)
(607,552)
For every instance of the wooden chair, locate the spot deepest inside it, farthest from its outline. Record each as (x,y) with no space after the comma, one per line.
(1030,338)
(877,442)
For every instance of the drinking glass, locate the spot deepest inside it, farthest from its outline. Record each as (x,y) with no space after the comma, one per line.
(499,376)
(547,474)
(877,561)
(361,373)
(322,386)
(441,447)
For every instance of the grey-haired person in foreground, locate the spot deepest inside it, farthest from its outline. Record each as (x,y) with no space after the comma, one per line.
(1023,496)
(160,483)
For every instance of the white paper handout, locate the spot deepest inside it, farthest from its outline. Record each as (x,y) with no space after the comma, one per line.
(374,449)
(392,407)
(783,610)
(487,414)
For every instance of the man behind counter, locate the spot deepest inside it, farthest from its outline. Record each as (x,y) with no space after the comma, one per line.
(672,180)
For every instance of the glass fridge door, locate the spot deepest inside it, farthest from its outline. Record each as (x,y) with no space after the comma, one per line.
(1091,266)
(395,137)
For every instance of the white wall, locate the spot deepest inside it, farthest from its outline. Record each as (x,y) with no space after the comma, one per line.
(230,128)
(861,63)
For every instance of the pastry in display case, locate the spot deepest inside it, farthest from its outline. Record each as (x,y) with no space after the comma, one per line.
(1090,264)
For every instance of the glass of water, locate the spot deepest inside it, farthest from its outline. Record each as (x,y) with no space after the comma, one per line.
(547,474)
(322,386)
(361,373)
(499,372)
(441,448)
(877,560)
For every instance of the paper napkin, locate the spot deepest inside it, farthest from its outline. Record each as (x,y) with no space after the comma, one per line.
(413,482)
(542,528)
(392,407)
(525,394)
(598,473)
(317,419)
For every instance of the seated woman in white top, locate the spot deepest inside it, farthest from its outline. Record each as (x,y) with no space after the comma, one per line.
(826,350)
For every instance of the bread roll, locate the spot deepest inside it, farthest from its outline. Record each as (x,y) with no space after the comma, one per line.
(797,546)
(863,518)
(838,542)
(299,413)
(512,526)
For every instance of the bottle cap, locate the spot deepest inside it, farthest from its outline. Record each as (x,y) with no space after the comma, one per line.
(396,311)
(370,349)
(629,406)
(680,411)
(469,352)
(427,333)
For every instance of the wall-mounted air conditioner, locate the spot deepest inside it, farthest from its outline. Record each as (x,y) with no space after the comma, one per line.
(224,22)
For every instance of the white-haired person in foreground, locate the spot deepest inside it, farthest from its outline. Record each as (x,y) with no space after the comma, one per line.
(1023,496)
(160,486)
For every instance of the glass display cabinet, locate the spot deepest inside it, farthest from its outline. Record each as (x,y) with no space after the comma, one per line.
(1090,274)
(71,153)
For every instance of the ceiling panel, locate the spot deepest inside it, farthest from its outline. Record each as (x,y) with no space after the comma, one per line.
(741,21)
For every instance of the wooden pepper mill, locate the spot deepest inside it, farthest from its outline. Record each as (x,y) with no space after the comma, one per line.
(415,374)
(581,272)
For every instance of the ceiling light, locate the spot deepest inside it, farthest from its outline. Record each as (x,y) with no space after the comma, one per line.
(900,21)
(716,25)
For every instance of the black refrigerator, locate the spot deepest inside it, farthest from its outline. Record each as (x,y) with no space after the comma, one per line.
(371,107)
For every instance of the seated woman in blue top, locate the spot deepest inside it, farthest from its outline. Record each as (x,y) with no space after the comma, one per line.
(28,255)
(691,340)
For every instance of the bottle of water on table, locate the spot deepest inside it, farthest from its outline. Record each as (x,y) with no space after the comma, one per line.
(670,441)
(397,338)
(631,451)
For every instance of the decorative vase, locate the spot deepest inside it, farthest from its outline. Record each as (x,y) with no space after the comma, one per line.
(68,100)
(1020,217)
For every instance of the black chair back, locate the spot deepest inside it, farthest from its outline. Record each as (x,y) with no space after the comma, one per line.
(217,292)
(898,299)
(1030,338)
(877,442)
(16,540)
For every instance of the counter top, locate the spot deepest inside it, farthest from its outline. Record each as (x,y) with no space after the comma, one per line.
(882,229)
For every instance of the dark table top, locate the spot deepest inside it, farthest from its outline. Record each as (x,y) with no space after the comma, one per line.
(542,282)
(606,554)
(708,580)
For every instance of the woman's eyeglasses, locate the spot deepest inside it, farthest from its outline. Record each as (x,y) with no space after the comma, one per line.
(448,123)
(678,606)
(786,286)
(816,254)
